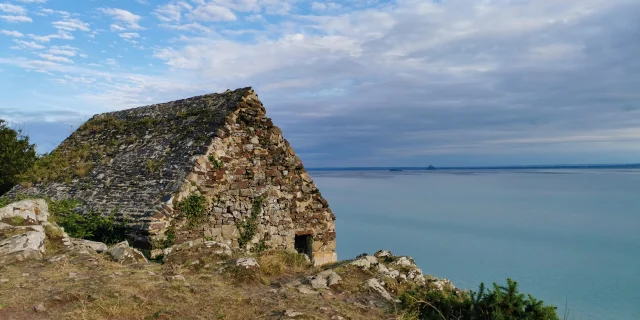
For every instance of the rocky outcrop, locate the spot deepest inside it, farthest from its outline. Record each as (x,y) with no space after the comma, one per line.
(19,243)
(25,232)
(22,230)
(34,211)
(381,275)
(126,255)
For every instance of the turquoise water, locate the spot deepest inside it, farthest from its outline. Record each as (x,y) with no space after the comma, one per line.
(566,236)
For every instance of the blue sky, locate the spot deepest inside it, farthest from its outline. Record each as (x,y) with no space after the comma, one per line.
(351,83)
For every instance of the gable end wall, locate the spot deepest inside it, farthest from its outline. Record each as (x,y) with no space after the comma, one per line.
(257,161)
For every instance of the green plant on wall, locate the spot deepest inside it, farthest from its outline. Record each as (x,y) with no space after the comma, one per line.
(170,237)
(247,228)
(217,164)
(193,207)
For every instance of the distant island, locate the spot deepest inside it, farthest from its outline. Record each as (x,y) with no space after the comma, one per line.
(514,167)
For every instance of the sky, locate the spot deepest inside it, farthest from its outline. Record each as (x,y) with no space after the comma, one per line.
(351,83)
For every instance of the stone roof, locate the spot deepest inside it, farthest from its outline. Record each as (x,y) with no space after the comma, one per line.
(130,160)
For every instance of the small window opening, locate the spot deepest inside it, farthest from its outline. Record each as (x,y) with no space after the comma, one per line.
(304,244)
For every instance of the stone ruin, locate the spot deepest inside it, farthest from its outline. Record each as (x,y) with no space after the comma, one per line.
(207,168)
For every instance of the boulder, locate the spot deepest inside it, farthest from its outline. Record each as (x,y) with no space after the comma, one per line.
(324,279)
(406,262)
(247,263)
(124,254)
(98,247)
(378,287)
(21,243)
(218,247)
(365,261)
(383,254)
(31,210)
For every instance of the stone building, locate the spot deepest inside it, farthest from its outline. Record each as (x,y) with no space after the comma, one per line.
(206,168)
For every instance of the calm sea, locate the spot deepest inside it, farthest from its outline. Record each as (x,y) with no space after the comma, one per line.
(566,236)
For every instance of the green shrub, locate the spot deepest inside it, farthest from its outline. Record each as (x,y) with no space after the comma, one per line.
(193,208)
(170,237)
(17,155)
(247,228)
(90,226)
(497,303)
(217,164)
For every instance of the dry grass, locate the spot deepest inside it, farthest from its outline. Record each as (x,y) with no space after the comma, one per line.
(91,287)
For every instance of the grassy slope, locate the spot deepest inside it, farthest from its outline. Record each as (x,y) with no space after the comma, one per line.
(89,286)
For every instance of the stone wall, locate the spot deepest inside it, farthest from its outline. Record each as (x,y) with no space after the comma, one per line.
(250,159)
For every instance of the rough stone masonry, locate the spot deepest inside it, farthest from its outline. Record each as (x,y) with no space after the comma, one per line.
(242,183)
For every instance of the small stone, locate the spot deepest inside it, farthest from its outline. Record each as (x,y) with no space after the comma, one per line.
(4,281)
(247,263)
(117,273)
(304,289)
(292,314)
(72,274)
(177,278)
(25,274)
(383,254)
(39,308)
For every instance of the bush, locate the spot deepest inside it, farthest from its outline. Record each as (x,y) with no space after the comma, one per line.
(91,226)
(498,303)
(17,155)
(193,208)
(247,228)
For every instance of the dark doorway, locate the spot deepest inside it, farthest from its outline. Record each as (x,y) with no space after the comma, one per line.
(304,244)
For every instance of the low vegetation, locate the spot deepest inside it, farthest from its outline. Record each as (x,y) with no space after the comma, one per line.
(193,207)
(496,303)
(90,226)
(17,155)
(248,227)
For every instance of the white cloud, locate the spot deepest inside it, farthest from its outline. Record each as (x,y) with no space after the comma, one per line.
(33,1)
(68,51)
(46,11)
(194,26)
(54,58)
(71,25)
(10,33)
(129,35)
(171,12)
(27,45)
(60,35)
(16,19)
(212,12)
(323,6)
(115,27)
(12,9)
(129,19)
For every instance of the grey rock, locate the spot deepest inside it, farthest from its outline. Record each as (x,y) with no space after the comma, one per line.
(305,289)
(248,263)
(219,247)
(292,314)
(365,262)
(178,277)
(32,209)
(376,286)
(124,254)
(98,247)
(406,261)
(383,254)
(27,243)
(333,279)
(39,308)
